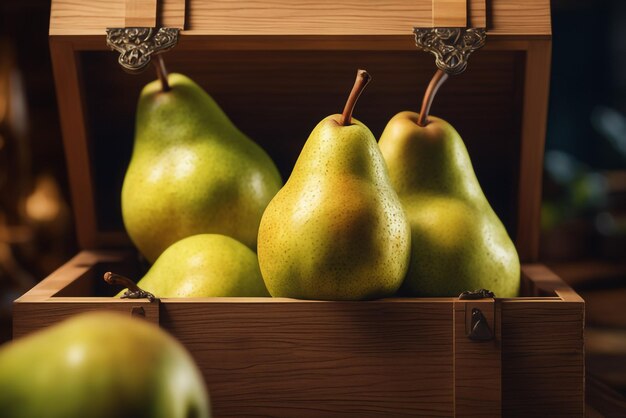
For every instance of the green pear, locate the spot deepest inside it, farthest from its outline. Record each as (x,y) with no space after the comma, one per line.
(205,265)
(192,171)
(100,365)
(458,242)
(336,230)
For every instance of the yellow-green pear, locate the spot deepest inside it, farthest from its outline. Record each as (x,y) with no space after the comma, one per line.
(205,265)
(336,230)
(100,365)
(192,171)
(458,242)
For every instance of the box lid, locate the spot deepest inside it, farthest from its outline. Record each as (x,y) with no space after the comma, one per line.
(252,57)
(301,17)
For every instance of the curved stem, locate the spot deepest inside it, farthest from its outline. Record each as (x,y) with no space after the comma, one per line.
(438,79)
(118,279)
(134,291)
(161,71)
(362,78)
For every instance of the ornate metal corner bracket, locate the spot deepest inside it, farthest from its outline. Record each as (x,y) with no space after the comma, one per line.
(137,45)
(450,46)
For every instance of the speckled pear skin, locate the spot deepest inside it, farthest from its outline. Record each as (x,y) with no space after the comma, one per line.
(336,230)
(458,242)
(100,365)
(205,265)
(192,171)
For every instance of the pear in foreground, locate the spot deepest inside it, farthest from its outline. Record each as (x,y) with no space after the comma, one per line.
(205,265)
(100,365)
(458,242)
(192,171)
(336,230)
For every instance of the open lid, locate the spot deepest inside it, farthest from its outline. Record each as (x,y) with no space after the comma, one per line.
(252,56)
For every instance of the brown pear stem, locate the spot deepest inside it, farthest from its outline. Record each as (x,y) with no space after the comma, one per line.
(133,292)
(362,78)
(161,71)
(438,79)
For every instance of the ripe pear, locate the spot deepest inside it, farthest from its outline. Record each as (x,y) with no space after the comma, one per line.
(336,230)
(192,171)
(458,242)
(205,265)
(100,365)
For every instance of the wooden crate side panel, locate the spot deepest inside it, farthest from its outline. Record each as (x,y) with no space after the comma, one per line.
(368,359)
(477,364)
(29,317)
(542,359)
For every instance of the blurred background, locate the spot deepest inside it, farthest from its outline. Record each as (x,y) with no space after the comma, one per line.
(584,204)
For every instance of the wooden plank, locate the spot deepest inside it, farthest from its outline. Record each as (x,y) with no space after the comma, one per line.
(477,14)
(67,81)
(449,13)
(70,272)
(32,316)
(542,359)
(391,357)
(534,121)
(331,359)
(477,364)
(549,283)
(172,13)
(195,41)
(298,17)
(140,13)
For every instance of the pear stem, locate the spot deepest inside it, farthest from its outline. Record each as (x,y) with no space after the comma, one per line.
(161,71)
(133,292)
(362,78)
(438,79)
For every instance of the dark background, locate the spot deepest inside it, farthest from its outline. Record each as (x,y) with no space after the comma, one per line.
(583,212)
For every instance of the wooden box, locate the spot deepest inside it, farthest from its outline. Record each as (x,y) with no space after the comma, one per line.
(277,68)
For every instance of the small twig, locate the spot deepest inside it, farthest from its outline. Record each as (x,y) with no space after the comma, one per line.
(133,292)
(161,71)
(362,78)
(438,79)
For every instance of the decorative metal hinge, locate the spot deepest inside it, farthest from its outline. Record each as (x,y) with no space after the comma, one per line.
(137,45)
(450,46)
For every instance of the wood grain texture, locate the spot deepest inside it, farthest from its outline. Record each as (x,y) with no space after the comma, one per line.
(172,13)
(391,357)
(449,13)
(535,111)
(477,10)
(543,351)
(32,316)
(68,83)
(140,13)
(299,17)
(477,364)
(73,271)
(548,282)
(337,359)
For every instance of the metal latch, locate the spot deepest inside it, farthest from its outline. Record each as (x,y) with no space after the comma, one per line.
(479,316)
